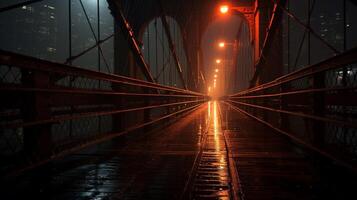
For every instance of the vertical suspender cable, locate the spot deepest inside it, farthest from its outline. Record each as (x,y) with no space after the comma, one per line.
(70,54)
(156,44)
(344,26)
(148,47)
(288,39)
(98,55)
(308,33)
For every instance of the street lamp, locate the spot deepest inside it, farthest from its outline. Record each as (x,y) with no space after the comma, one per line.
(226,67)
(224,44)
(224,9)
(221,44)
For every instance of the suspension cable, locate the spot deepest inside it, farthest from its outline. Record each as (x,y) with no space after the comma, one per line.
(303,38)
(164,63)
(94,36)
(72,58)
(294,17)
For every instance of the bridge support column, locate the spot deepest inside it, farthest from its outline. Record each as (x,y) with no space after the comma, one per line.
(122,66)
(37,139)
(318,98)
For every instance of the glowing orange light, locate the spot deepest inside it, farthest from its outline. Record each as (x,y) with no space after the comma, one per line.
(216,70)
(221,44)
(224,9)
(209,89)
(218,61)
(215,75)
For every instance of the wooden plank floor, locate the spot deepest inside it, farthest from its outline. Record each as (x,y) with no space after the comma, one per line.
(158,164)
(270,166)
(153,165)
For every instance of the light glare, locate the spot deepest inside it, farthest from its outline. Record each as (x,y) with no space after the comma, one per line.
(221,44)
(224,9)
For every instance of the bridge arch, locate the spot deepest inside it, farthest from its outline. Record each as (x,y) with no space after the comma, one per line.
(155,47)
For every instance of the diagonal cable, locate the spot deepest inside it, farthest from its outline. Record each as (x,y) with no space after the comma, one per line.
(303,38)
(72,58)
(171,44)
(95,37)
(163,52)
(307,27)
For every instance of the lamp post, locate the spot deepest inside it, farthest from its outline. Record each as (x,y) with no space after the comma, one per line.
(215,91)
(227,66)
(225,9)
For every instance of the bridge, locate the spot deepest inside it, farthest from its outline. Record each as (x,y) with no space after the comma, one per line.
(195,99)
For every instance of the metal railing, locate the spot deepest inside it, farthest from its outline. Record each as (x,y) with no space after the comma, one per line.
(50,109)
(315,106)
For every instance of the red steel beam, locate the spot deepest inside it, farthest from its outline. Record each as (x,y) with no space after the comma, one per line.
(96,140)
(27,62)
(71,116)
